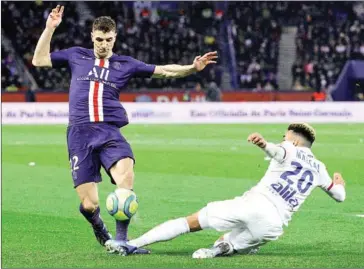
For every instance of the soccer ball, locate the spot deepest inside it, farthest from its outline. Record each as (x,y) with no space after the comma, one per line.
(122,204)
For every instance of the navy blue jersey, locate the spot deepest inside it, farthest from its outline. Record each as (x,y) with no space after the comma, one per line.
(96,84)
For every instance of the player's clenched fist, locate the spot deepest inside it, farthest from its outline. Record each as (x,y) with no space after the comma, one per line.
(55,17)
(257,139)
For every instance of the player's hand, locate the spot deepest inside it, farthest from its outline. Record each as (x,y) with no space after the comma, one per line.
(338,179)
(201,62)
(257,139)
(55,17)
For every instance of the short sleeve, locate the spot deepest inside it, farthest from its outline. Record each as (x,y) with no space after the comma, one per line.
(61,58)
(142,69)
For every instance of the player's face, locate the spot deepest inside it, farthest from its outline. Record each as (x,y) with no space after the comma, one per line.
(103,43)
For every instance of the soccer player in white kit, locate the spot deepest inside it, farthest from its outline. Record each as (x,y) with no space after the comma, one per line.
(259,215)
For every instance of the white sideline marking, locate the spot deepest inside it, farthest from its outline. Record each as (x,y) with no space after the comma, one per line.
(360,216)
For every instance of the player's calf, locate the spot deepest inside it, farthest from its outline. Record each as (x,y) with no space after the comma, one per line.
(99,228)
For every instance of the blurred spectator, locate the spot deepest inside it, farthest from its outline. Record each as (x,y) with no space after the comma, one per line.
(186,96)
(297,86)
(213,93)
(198,87)
(10,79)
(30,96)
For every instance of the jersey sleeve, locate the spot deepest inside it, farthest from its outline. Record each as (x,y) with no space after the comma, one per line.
(142,69)
(289,149)
(61,58)
(325,182)
(335,191)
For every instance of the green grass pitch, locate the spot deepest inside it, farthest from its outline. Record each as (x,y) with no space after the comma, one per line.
(179,169)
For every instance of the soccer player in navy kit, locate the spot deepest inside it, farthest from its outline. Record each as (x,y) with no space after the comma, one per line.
(95,112)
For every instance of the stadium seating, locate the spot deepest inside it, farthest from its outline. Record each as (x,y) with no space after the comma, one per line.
(10,79)
(256,33)
(328,35)
(166,40)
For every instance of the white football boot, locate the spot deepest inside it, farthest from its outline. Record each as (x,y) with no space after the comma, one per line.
(222,248)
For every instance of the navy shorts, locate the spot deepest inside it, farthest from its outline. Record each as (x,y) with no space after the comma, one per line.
(93,145)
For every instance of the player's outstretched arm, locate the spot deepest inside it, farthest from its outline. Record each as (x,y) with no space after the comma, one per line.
(179,71)
(273,151)
(337,188)
(42,50)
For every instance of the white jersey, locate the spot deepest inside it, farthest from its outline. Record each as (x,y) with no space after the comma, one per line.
(288,183)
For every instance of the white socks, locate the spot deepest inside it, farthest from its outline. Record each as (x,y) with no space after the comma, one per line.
(163,232)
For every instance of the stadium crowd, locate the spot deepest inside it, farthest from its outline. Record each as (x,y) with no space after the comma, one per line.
(328,34)
(256,34)
(170,38)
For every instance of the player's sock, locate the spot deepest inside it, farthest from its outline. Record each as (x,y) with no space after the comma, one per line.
(122,230)
(92,217)
(163,232)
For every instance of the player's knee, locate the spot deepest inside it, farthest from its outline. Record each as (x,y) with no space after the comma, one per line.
(193,223)
(123,171)
(128,175)
(125,180)
(90,205)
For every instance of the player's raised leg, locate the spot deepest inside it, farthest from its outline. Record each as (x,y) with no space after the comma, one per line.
(90,209)
(123,174)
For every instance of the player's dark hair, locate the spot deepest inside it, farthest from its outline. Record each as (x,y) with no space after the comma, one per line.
(304,130)
(104,24)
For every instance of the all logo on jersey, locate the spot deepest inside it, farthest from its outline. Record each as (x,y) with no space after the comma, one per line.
(101,74)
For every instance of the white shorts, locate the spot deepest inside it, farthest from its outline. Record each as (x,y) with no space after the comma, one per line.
(252,219)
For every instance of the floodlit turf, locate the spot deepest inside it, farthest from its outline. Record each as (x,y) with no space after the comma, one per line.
(179,169)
